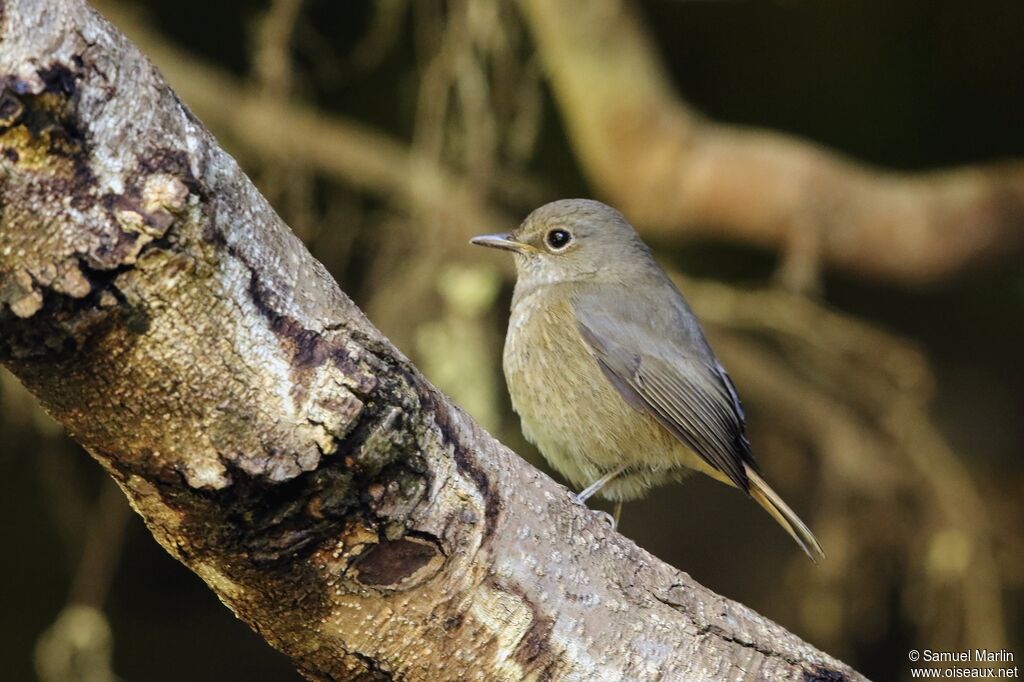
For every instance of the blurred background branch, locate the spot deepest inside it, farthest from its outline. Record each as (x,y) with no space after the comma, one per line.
(674,171)
(269,123)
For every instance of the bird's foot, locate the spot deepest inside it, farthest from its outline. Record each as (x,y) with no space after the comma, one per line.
(605,517)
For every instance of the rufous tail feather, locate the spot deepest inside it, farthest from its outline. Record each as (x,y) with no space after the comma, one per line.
(786,517)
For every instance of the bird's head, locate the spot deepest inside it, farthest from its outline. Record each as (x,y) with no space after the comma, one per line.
(573,240)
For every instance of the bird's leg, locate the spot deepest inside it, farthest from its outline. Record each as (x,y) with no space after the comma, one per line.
(586,494)
(617,514)
(590,490)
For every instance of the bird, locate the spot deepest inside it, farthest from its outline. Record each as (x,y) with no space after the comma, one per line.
(609,370)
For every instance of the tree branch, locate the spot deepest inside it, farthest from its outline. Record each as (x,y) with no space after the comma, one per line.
(271,438)
(670,169)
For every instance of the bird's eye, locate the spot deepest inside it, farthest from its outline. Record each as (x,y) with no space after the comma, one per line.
(558,239)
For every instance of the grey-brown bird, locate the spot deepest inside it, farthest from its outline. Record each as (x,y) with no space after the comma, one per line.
(609,370)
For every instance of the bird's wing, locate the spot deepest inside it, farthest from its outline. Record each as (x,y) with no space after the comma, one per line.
(662,365)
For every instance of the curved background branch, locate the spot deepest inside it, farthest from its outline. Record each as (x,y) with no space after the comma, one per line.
(672,170)
(271,438)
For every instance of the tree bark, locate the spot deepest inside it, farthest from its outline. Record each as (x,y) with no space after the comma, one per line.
(272,439)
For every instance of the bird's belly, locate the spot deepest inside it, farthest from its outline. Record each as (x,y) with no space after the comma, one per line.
(574,415)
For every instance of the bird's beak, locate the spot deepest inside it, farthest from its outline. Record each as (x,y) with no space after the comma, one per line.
(500,241)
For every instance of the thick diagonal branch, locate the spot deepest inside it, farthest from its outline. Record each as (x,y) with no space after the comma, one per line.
(273,441)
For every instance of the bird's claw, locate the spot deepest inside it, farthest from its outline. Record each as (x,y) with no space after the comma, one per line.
(607,518)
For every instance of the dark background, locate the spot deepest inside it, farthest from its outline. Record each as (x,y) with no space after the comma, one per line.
(907,85)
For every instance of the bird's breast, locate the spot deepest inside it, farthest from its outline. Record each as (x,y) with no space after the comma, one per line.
(568,408)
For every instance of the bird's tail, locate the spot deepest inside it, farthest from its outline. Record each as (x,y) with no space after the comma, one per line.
(786,517)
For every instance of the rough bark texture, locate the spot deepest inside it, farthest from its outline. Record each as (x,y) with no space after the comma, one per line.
(670,169)
(273,441)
